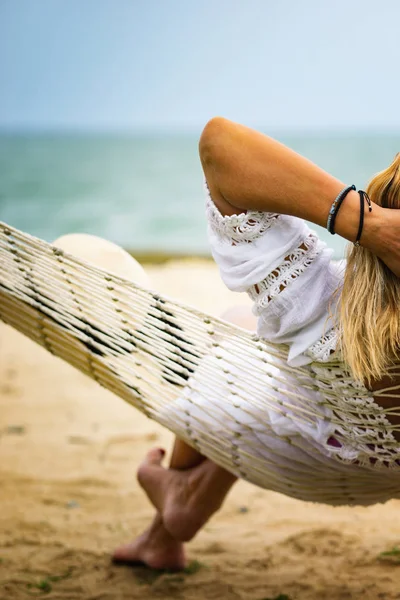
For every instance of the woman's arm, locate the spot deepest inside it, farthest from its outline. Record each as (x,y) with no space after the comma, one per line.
(251,171)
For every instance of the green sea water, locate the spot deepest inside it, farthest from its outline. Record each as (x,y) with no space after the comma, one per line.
(144,192)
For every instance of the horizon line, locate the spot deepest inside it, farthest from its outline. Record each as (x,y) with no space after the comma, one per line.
(188,131)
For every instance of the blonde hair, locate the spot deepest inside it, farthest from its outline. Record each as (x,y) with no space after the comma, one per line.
(369,307)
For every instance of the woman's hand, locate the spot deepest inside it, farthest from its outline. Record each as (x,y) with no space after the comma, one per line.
(382,236)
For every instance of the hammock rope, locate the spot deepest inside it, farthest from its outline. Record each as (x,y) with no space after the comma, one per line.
(166,359)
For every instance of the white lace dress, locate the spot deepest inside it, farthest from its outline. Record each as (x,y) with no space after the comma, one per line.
(290,276)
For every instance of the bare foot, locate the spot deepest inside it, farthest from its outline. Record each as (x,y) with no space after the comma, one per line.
(155,548)
(184,499)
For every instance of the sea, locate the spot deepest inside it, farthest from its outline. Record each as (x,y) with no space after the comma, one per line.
(145,191)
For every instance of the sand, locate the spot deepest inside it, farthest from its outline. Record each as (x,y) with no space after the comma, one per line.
(69,451)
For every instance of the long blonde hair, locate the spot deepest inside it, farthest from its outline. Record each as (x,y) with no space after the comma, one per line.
(369,307)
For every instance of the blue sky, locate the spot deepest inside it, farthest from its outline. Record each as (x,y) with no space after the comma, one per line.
(172,64)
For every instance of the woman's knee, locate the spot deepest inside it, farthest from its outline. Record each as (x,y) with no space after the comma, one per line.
(241,316)
(105,255)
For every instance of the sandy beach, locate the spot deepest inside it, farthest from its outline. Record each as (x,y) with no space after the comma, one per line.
(69,451)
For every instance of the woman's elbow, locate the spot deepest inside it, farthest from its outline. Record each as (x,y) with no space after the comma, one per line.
(211,139)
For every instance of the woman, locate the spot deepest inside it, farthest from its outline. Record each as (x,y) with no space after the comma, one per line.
(259,192)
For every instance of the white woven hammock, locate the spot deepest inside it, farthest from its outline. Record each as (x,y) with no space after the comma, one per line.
(164,358)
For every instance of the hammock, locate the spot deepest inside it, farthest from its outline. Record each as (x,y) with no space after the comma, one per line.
(153,352)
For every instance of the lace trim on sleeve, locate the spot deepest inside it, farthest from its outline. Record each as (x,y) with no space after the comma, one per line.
(246,228)
(323,349)
(293,265)
(236,229)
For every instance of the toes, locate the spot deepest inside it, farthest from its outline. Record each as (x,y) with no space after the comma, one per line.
(126,554)
(153,478)
(150,466)
(151,554)
(154,456)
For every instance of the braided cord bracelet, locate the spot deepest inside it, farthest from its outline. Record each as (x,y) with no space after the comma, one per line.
(330,225)
(337,203)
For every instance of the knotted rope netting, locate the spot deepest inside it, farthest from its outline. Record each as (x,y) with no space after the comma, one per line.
(222,389)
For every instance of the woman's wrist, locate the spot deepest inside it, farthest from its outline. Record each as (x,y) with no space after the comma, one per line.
(348,218)
(372,237)
(347,222)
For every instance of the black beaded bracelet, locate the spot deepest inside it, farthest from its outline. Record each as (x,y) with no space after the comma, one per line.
(363,196)
(330,225)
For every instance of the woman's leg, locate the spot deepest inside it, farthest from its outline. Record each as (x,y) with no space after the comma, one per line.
(156,547)
(184,456)
(185,496)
